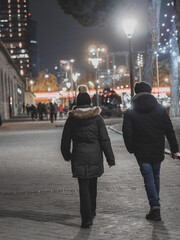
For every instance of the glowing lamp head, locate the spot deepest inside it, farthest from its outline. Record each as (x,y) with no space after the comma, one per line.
(128,26)
(95,61)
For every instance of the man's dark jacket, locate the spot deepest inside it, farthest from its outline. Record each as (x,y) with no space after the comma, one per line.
(86,128)
(145,126)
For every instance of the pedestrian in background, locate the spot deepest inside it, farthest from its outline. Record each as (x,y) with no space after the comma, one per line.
(55,110)
(51,110)
(145,125)
(60,109)
(87,131)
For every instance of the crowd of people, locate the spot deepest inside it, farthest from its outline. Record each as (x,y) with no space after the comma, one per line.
(48,111)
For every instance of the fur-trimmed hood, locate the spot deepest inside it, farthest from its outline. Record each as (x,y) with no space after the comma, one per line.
(84,112)
(144,102)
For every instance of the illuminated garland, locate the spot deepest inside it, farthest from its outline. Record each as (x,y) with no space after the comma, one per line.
(167,32)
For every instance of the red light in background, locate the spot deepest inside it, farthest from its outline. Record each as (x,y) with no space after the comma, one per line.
(29,14)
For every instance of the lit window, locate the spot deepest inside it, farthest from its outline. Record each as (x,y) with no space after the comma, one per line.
(27,65)
(9,15)
(21,61)
(9,1)
(9,11)
(11,51)
(21,72)
(11,45)
(10,35)
(17,0)
(27,60)
(21,66)
(19,29)
(23,50)
(19,24)
(0,34)
(10,30)
(19,34)
(18,5)
(10,24)
(18,10)
(19,15)
(20,44)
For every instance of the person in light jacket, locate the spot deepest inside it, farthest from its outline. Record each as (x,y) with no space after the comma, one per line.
(145,125)
(86,129)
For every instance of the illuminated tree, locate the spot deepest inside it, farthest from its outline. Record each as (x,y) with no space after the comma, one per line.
(46,82)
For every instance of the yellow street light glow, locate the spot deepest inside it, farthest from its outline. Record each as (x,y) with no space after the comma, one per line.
(128,26)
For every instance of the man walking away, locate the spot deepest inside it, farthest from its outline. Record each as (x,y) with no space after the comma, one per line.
(145,125)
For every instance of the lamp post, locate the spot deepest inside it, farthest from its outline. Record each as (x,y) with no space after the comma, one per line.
(31,82)
(128,26)
(95,62)
(140,65)
(114,83)
(75,77)
(68,85)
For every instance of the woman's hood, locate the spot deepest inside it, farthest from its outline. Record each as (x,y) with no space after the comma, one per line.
(84,112)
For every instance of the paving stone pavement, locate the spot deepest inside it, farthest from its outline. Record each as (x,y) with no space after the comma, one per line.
(39,198)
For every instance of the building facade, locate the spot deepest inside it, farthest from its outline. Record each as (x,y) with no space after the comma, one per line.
(12,86)
(14,32)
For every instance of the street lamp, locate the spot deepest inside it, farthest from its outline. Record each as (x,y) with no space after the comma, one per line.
(31,82)
(68,85)
(128,26)
(114,84)
(95,63)
(140,65)
(157,70)
(75,77)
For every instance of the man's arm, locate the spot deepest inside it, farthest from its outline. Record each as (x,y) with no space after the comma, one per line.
(170,134)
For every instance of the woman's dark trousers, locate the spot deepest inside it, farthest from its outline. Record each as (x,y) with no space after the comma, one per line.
(88,194)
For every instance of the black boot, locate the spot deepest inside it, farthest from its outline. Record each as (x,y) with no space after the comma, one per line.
(154,215)
(86,224)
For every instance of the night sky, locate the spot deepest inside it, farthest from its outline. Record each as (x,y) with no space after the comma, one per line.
(60,36)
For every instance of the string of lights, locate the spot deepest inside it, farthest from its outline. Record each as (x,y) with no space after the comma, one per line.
(168,33)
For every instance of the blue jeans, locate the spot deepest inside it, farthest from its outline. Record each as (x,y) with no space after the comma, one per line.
(151,175)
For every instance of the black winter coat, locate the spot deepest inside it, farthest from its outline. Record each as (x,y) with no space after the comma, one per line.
(145,126)
(86,128)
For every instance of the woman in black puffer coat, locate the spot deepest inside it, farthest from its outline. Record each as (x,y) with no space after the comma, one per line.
(87,131)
